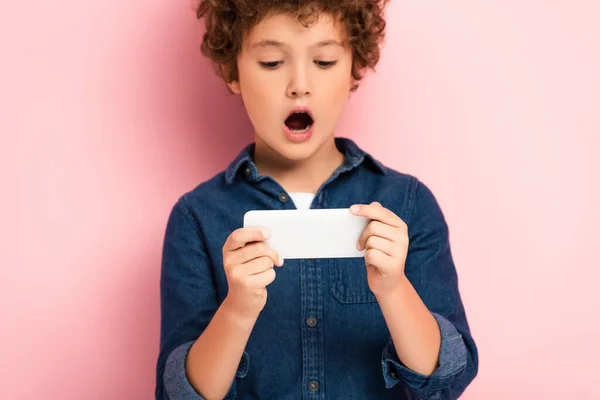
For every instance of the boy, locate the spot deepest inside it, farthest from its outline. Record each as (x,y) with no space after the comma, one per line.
(389,326)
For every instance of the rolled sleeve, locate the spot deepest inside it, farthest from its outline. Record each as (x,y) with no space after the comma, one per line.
(431,270)
(451,363)
(188,303)
(177,385)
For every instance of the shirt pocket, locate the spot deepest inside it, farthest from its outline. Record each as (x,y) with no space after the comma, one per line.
(349,283)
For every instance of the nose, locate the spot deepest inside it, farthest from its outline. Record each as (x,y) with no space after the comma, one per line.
(299,85)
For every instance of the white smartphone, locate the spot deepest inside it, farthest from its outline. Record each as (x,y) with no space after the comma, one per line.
(314,233)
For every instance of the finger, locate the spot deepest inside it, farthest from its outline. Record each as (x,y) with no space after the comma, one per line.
(386,246)
(252,251)
(240,237)
(258,265)
(377,212)
(378,259)
(376,228)
(261,280)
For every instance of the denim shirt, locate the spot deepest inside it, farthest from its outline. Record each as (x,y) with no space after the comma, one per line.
(321,334)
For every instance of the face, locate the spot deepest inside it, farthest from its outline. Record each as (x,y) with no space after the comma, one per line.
(294,81)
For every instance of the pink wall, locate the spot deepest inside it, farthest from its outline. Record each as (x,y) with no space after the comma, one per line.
(109,113)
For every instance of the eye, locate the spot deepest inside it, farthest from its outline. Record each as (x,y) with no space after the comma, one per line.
(325,64)
(270,64)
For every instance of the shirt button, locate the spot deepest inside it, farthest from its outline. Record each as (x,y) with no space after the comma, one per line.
(393,375)
(283,198)
(311,322)
(313,386)
(247,171)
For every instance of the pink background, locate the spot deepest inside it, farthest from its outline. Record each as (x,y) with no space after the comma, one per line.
(109,113)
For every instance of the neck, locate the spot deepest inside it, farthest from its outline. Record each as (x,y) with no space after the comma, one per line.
(305,175)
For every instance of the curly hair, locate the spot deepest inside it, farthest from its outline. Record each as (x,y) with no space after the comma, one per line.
(228,20)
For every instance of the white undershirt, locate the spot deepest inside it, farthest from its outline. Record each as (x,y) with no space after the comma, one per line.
(302,200)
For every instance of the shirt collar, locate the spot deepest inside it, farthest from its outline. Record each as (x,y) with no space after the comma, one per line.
(353,157)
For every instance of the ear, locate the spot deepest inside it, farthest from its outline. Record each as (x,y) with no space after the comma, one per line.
(353,86)
(234,86)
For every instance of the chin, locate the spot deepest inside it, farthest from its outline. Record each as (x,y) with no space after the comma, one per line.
(296,151)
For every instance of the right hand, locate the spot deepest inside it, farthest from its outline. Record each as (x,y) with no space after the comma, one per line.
(248,264)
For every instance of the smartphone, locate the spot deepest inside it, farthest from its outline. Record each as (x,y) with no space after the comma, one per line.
(314,233)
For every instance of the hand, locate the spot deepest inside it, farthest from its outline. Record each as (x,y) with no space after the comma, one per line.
(248,264)
(385,240)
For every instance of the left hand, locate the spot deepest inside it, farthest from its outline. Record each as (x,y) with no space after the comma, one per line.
(385,240)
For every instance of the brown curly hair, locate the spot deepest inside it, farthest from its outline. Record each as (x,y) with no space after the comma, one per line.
(228,20)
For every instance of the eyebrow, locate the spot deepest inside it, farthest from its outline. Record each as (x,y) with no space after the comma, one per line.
(275,43)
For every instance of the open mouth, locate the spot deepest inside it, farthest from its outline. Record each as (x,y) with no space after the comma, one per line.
(299,122)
